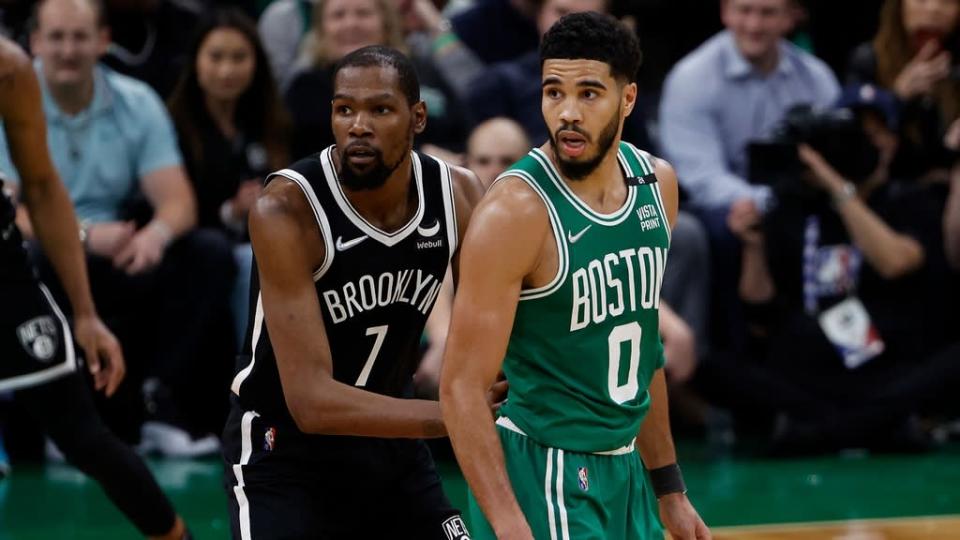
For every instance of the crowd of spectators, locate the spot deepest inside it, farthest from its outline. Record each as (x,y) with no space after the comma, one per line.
(815,291)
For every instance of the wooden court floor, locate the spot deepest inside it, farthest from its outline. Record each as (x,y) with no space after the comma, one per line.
(927,528)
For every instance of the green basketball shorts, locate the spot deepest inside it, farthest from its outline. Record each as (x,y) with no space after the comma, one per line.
(575,496)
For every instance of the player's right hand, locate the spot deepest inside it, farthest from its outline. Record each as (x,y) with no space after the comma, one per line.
(102,351)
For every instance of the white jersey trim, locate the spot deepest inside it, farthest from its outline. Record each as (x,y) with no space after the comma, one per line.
(608,220)
(449,206)
(246,449)
(506,423)
(556,226)
(68,365)
(325,231)
(257,330)
(388,239)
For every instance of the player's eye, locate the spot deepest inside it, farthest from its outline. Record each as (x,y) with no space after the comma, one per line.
(343,109)
(382,109)
(552,93)
(589,94)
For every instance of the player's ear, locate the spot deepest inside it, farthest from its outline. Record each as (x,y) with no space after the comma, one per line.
(419,111)
(629,96)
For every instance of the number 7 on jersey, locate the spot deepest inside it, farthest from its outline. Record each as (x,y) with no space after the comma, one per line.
(381,333)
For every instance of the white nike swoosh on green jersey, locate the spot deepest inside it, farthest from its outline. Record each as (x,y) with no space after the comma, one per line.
(572,238)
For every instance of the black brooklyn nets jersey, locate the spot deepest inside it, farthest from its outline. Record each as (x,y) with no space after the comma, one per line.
(375,288)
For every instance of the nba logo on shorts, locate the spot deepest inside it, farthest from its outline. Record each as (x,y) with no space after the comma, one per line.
(582,478)
(455,529)
(269,439)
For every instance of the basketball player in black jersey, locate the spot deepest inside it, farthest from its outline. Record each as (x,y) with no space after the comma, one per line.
(38,357)
(351,246)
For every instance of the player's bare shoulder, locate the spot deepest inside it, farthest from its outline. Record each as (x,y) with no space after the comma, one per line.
(667,178)
(14,63)
(282,213)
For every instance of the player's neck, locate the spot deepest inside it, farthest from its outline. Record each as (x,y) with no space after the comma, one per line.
(391,205)
(72,99)
(602,189)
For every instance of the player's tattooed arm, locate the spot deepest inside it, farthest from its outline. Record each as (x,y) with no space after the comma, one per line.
(280,219)
(502,247)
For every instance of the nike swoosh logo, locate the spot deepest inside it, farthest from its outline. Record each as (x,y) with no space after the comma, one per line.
(431,230)
(572,238)
(343,246)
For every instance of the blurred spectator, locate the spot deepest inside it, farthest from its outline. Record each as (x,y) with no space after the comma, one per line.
(833,283)
(282,27)
(732,90)
(916,55)
(494,146)
(428,34)
(513,88)
(340,27)
(233,131)
(499,30)
(150,38)
(158,285)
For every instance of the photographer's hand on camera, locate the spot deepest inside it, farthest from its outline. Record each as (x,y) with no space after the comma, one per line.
(891,253)
(930,66)
(744,222)
(824,176)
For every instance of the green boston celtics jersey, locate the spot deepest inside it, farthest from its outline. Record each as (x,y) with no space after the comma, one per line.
(584,347)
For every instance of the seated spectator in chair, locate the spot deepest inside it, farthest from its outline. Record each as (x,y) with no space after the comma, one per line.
(161,287)
(513,88)
(914,55)
(833,281)
(340,27)
(233,131)
(732,90)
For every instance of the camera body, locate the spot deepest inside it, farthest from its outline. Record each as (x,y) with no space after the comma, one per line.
(837,134)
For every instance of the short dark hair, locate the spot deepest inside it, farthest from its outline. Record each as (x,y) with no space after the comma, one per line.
(381,56)
(592,36)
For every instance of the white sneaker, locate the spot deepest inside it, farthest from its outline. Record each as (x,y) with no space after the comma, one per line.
(172,441)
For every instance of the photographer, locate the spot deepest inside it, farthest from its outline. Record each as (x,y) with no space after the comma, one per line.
(832,280)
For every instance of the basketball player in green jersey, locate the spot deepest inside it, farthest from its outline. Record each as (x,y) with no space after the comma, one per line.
(559,286)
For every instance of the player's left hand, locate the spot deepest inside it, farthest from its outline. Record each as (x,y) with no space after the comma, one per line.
(102,352)
(497,393)
(681,519)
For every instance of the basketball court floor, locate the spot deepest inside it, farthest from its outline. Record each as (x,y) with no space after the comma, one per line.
(847,497)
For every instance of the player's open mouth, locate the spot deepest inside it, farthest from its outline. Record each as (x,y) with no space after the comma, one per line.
(361,155)
(571,143)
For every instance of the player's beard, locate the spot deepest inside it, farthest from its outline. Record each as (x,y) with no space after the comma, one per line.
(578,170)
(375,174)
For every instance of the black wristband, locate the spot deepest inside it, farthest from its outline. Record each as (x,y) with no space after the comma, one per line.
(667,480)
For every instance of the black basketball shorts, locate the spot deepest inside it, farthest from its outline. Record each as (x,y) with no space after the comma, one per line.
(283,484)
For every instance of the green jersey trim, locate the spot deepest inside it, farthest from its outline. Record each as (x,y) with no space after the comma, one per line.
(644,160)
(608,220)
(555,225)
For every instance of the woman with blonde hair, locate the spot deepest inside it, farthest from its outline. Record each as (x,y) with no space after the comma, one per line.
(339,27)
(916,55)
